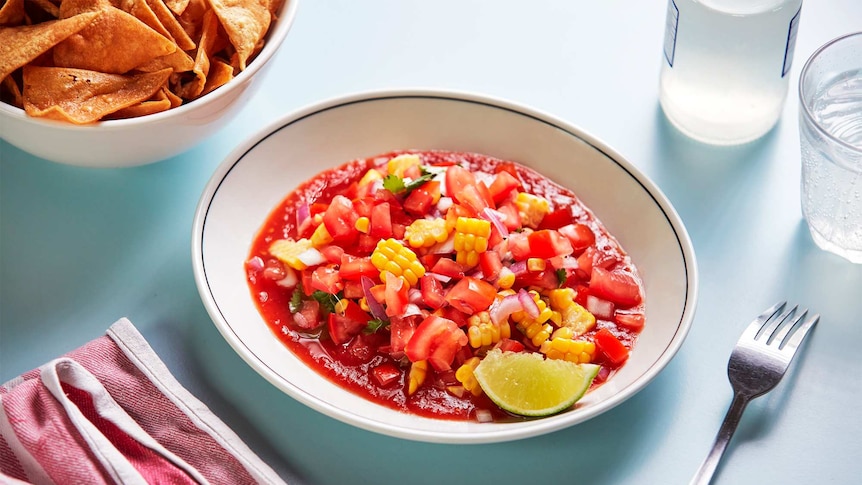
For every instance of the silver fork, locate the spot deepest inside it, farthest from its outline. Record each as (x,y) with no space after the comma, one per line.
(758,362)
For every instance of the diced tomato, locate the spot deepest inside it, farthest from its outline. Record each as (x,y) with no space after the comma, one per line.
(437,340)
(548,243)
(400,331)
(457,211)
(378,292)
(543,279)
(457,178)
(273,270)
(386,374)
(432,292)
(512,218)
(398,231)
(396,294)
(363,206)
(413,172)
(448,267)
(421,199)
(610,346)
(340,219)
(617,286)
(519,245)
(353,268)
(580,235)
(326,279)
(504,183)
(359,351)
(474,198)
(332,253)
(634,321)
(306,281)
(353,289)
(509,345)
(593,258)
(471,295)
(317,208)
(346,325)
(557,219)
(365,244)
(490,263)
(429,260)
(308,316)
(381,221)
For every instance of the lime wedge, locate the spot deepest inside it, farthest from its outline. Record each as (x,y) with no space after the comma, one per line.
(527,384)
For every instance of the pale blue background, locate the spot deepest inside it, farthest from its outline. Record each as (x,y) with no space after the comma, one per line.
(82,247)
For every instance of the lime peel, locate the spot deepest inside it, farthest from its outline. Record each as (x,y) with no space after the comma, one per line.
(527,384)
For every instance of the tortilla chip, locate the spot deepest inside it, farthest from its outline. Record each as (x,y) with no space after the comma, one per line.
(178,34)
(12,13)
(246,22)
(97,47)
(173,98)
(209,32)
(48,7)
(20,45)
(11,93)
(177,6)
(141,109)
(178,60)
(220,73)
(192,17)
(142,11)
(81,96)
(69,8)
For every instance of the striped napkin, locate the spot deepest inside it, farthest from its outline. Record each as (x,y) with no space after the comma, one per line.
(111,412)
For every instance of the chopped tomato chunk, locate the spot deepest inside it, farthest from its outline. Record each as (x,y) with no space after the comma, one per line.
(490,263)
(340,219)
(381,221)
(503,185)
(432,292)
(448,267)
(617,286)
(353,268)
(396,295)
(386,374)
(437,340)
(471,295)
(346,325)
(326,279)
(548,243)
(611,347)
(580,236)
(421,199)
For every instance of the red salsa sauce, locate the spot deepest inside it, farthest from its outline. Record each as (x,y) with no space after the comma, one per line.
(399,330)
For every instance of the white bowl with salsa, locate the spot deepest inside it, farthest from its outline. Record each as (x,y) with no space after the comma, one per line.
(247,200)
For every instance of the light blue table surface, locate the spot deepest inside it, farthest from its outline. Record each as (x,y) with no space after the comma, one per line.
(81,248)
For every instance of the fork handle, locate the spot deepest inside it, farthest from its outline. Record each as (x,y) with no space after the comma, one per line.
(731,420)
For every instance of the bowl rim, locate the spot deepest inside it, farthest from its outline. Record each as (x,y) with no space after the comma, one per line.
(275,37)
(538,427)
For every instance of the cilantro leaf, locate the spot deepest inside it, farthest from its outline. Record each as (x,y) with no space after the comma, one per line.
(396,185)
(296,299)
(374,325)
(327,301)
(561,276)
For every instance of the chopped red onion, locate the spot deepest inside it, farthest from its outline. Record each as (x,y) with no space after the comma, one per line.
(302,214)
(501,309)
(290,279)
(484,416)
(411,309)
(519,268)
(439,277)
(599,307)
(377,310)
(445,247)
(496,218)
(444,204)
(311,257)
(414,295)
(255,263)
(528,303)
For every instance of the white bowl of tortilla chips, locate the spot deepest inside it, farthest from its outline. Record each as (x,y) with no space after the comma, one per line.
(112,83)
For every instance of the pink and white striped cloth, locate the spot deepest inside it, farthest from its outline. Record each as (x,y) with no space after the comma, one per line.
(111,412)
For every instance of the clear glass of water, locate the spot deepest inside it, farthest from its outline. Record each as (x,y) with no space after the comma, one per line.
(830,129)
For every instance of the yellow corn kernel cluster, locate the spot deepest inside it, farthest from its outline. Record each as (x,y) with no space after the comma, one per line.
(481,331)
(416,376)
(370,176)
(531,208)
(397,165)
(572,315)
(471,240)
(577,351)
(390,255)
(561,298)
(321,236)
(424,233)
(465,376)
(537,329)
(287,251)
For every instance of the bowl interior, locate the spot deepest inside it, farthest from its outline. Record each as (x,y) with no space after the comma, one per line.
(257,176)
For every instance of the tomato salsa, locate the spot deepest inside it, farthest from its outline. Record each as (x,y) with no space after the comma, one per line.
(394,275)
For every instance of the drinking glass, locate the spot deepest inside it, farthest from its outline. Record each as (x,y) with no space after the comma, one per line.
(830,128)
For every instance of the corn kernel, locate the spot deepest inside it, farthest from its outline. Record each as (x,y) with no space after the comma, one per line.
(398,165)
(562,348)
(531,208)
(535,264)
(363,304)
(577,318)
(481,331)
(392,256)
(465,376)
(370,176)
(424,233)
(561,298)
(288,251)
(471,239)
(416,376)
(362,224)
(320,237)
(506,278)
